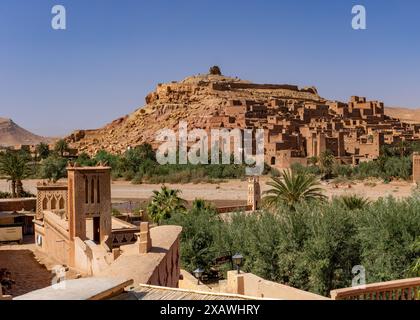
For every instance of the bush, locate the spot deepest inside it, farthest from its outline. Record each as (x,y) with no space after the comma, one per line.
(314,247)
(53,168)
(387,230)
(5,195)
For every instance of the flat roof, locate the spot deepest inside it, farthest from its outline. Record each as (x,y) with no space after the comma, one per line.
(140,267)
(150,292)
(80,289)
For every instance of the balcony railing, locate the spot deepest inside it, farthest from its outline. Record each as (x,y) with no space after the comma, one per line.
(405,289)
(123,237)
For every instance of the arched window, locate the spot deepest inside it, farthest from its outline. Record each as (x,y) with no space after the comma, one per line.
(61,203)
(273,160)
(53,204)
(45,204)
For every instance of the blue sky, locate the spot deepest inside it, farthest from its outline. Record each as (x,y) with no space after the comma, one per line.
(114,52)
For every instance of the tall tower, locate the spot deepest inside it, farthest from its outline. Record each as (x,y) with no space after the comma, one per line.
(89,204)
(254,192)
(416,167)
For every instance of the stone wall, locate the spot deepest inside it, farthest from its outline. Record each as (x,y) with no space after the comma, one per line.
(168,272)
(249,284)
(27,204)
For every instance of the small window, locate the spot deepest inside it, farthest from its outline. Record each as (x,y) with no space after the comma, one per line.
(92,191)
(98,191)
(86,190)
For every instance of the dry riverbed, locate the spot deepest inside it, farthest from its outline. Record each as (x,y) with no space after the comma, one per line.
(235,191)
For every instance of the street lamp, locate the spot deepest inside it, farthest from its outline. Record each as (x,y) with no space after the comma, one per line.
(198,273)
(237,261)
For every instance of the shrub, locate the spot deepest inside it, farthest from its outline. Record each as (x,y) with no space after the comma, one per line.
(313,247)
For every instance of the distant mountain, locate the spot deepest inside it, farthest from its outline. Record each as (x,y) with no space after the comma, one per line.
(11,134)
(404,114)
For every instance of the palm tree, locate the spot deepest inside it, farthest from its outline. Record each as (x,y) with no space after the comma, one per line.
(292,188)
(61,147)
(201,204)
(164,203)
(15,166)
(354,202)
(326,162)
(43,150)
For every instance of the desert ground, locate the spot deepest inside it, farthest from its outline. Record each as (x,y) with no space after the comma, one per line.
(232,192)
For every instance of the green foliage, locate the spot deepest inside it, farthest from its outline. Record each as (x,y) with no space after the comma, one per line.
(53,168)
(200,204)
(115,212)
(164,203)
(387,229)
(326,163)
(414,270)
(199,231)
(84,160)
(354,202)
(42,150)
(313,247)
(5,195)
(15,165)
(61,147)
(292,188)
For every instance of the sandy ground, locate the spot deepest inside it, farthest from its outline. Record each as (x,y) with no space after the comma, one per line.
(236,191)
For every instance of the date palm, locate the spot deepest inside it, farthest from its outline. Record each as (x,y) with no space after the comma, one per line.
(15,166)
(292,188)
(61,147)
(354,202)
(326,162)
(42,150)
(164,203)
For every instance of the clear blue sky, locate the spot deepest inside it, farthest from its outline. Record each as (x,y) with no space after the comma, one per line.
(114,52)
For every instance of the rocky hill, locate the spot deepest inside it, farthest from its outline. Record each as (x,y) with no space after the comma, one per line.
(11,134)
(404,114)
(196,99)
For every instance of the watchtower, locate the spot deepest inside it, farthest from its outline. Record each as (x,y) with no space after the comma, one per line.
(89,204)
(254,192)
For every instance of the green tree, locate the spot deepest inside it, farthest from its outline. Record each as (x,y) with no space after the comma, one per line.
(354,202)
(42,150)
(134,157)
(291,188)
(53,168)
(164,203)
(15,165)
(201,204)
(84,160)
(199,231)
(61,147)
(313,160)
(326,162)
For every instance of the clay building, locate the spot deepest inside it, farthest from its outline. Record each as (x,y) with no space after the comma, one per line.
(74,226)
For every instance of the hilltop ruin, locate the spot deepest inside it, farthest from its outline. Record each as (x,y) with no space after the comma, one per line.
(298,123)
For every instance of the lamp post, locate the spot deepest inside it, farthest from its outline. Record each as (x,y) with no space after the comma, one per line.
(237,261)
(198,273)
